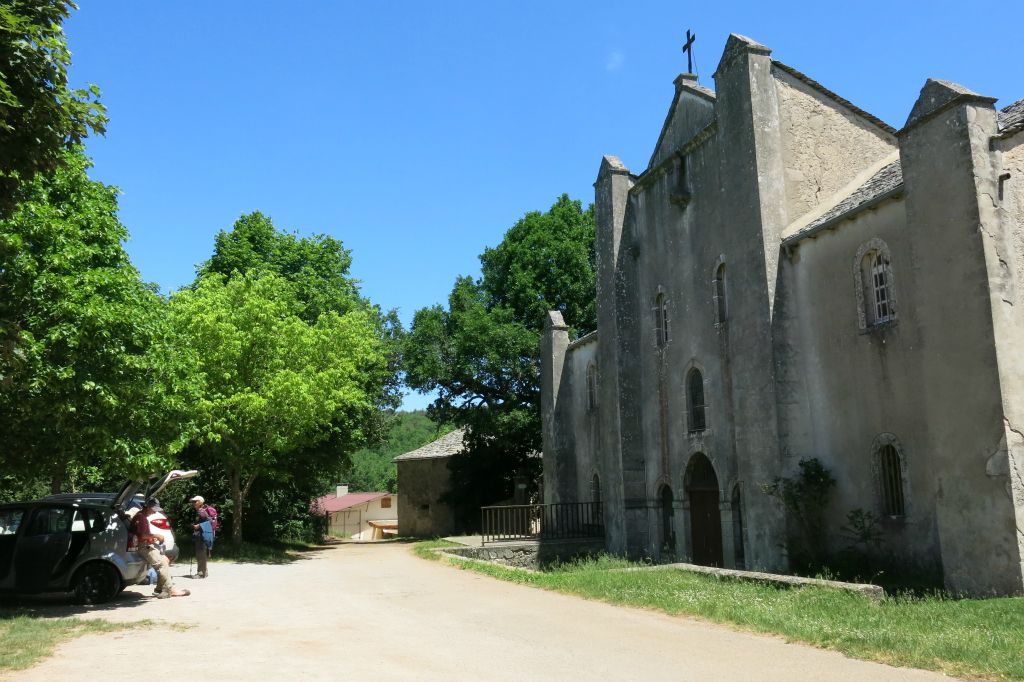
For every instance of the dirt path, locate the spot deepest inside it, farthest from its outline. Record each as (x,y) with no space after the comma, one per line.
(378,612)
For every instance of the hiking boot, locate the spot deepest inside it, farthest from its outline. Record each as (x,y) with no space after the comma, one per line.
(162,595)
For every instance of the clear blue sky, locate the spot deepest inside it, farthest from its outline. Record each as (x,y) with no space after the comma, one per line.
(418,133)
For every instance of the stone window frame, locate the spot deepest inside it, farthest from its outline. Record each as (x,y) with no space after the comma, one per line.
(738,508)
(662,321)
(880,476)
(678,181)
(864,316)
(664,483)
(695,367)
(591,383)
(720,292)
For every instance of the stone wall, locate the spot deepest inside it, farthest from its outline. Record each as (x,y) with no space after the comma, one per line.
(421,483)
(530,555)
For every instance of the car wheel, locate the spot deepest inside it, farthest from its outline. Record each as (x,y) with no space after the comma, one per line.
(96,583)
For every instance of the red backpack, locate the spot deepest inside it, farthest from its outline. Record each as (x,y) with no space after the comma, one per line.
(211,512)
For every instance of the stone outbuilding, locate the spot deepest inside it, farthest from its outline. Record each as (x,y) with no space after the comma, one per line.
(423,478)
(792,278)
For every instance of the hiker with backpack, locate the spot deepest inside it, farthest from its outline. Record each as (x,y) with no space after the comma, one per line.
(204,530)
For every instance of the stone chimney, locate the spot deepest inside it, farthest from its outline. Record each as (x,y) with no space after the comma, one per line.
(342,490)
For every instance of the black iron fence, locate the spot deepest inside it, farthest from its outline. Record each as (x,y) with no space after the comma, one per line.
(541,521)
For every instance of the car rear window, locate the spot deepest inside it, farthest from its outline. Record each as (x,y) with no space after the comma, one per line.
(10,520)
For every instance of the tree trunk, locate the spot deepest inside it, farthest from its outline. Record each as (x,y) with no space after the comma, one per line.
(238,498)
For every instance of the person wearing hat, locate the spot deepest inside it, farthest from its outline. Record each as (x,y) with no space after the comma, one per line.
(202,534)
(149,551)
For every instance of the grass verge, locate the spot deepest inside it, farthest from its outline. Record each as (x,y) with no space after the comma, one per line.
(28,639)
(963,637)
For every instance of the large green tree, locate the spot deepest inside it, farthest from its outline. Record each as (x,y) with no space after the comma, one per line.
(89,383)
(481,354)
(40,115)
(274,385)
(316,270)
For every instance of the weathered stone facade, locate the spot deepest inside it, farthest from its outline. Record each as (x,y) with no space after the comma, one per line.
(423,479)
(792,278)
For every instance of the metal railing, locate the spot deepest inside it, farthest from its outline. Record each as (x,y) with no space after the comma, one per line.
(541,521)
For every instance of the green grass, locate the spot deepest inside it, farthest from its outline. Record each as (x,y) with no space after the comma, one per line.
(29,639)
(963,637)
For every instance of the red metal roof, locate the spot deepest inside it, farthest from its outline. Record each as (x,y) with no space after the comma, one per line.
(333,503)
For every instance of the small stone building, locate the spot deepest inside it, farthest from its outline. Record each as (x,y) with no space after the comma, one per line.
(423,477)
(792,278)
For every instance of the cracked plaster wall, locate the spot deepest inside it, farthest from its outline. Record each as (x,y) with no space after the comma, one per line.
(1003,210)
(824,144)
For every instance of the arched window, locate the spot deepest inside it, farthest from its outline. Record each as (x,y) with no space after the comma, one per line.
(668,533)
(876,295)
(721,307)
(737,527)
(695,400)
(890,475)
(591,387)
(595,495)
(661,320)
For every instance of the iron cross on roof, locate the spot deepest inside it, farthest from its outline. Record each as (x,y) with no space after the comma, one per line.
(688,49)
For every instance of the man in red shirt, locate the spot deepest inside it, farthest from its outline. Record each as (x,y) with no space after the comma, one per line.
(150,553)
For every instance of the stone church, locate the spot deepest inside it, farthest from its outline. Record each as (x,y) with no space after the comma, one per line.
(791,278)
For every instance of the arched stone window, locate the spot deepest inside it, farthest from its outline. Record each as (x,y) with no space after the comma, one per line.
(668,533)
(721,304)
(875,286)
(661,323)
(591,387)
(890,474)
(737,527)
(695,401)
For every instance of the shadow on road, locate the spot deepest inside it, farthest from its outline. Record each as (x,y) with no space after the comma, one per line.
(62,605)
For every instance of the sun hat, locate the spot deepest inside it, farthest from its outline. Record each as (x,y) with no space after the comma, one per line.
(198,498)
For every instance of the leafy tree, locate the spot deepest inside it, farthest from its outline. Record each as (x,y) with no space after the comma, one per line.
(481,354)
(318,266)
(89,384)
(40,116)
(272,384)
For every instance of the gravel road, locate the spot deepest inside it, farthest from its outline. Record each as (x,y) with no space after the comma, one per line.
(377,612)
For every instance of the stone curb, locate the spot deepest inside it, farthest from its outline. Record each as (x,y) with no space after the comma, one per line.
(872,592)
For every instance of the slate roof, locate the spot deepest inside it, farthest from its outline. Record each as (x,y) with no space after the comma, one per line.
(1011,117)
(445,446)
(888,179)
(332,503)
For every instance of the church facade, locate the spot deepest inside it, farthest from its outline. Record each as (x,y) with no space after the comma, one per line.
(791,278)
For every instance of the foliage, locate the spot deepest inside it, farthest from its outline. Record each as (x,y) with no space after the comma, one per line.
(961,637)
(89,383)
(481,354)
(862,531)
(805,498)
(372,469)
(40,116)
(274,385)
(318,266)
